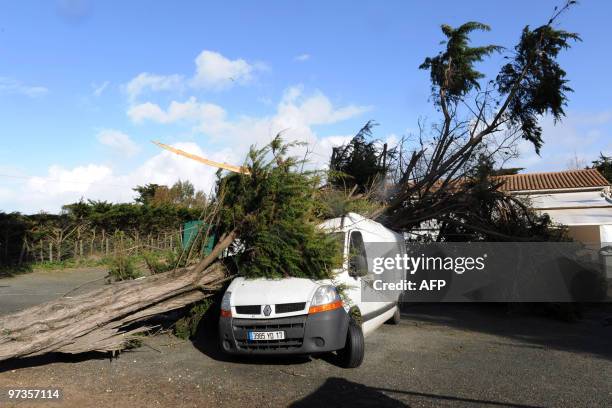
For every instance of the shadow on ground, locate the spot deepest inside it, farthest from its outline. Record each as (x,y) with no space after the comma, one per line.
(36,361)
(339,392)
(592,333)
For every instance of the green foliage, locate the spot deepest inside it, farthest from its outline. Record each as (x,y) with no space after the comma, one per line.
(361,162)
(530,85)
(161,261)
(483,213)
(6,271)
(89,220)
(146,193)
(604,165)
(13,227)
(453,69)
(67,263)
(333,203)
(274,210)
(186,327)
(506,171)
(182,194)
(146,219)
(536,80)
(122,267)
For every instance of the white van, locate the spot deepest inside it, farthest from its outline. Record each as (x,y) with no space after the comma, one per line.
(303,316)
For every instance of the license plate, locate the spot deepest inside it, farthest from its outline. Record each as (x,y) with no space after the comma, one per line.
(267,335)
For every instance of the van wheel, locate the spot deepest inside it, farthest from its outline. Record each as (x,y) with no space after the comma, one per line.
(351,356)
(396,318)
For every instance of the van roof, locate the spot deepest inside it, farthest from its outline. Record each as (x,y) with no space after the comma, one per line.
(353,221)
(346,222)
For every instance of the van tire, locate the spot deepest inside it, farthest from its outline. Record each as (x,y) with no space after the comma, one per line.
(351,356)
(396,318)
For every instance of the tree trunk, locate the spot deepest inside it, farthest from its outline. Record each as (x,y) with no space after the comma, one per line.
(97,320)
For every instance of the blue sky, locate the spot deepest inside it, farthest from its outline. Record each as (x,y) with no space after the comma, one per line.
(85,85)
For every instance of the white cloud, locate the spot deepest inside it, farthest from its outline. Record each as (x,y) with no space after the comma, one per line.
(302,58)
(145,81)
(166,168)
(214,71)
(191,109)
(60,185)
(577,135)
(316,109)
(98,89)
(295,114)
(13,86)
(118,141)
(76,180)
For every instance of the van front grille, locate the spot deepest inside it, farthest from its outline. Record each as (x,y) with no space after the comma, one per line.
(278,308)
(289,307)
(249,309)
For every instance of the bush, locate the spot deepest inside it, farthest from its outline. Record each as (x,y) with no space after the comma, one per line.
(187,326)
(122,267)
(159,262)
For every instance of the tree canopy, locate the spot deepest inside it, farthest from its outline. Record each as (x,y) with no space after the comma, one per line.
(604,165)
(273,210)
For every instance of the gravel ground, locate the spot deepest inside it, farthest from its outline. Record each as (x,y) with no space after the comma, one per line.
(439,356)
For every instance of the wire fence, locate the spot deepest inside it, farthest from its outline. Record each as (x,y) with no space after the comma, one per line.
(83,243)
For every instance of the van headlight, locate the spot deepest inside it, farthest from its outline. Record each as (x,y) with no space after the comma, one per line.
(226,307)
(324,299)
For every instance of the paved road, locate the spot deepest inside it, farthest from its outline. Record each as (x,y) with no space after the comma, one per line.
(29,289)
(439,356)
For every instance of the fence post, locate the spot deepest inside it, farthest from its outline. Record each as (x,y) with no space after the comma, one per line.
(50,251)
(91,245)
(22,253)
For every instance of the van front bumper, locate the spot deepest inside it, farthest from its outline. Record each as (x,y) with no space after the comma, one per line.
(304,334)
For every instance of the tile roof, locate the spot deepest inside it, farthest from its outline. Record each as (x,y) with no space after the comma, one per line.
(553,181)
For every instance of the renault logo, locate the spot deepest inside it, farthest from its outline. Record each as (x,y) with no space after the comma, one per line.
(267,310)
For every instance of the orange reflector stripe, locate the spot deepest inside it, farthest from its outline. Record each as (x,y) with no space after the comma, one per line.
(326,307)
(226,313)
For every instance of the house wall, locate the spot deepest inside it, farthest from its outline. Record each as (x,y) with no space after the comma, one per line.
(588,234)
(561,199)
(605,234)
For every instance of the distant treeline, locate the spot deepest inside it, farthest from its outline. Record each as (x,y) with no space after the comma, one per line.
(94,227)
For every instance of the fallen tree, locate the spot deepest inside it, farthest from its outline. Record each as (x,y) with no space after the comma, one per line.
(100,320)
(270,213)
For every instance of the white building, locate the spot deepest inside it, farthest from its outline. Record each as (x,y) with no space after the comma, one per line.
(579,199)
